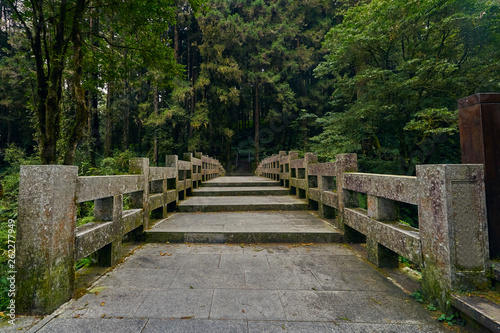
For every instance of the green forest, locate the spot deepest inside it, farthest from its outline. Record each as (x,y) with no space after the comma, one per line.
(93,83)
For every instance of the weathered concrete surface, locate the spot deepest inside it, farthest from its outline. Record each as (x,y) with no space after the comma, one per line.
(396,236)
(260,288)
(243,227)
(247,203)
(96,187)
(239,181)
(398,188)
(240,191)
(453,229)
(480,309)
(45,273)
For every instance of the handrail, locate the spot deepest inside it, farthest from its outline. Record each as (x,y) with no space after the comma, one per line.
(451,242)
(49,243)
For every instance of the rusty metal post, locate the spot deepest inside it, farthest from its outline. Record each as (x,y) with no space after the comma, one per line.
(479,119)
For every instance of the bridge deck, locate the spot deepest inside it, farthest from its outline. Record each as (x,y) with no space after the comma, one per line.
(239,181)
(243,288)
(244,227)
(301,287)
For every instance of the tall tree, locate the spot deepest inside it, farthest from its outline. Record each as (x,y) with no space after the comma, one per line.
(398,69)
(57,31)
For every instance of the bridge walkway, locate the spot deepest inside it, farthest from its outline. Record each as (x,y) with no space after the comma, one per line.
(219,266)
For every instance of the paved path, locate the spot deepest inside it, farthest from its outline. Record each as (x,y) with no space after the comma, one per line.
(243,203)
(243,288)
(238,181)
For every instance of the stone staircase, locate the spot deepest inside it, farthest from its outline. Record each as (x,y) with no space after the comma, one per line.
(243,210)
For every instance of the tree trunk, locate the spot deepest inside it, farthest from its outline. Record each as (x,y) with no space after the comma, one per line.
(49,86)
(256,123)
(82,114)
(94,114)
(155,134)
(108,136)
(126,116)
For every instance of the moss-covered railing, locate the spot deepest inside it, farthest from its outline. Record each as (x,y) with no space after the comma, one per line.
(49,243)
(450,243)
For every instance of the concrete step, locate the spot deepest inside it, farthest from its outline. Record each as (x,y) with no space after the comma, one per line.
(480,309)
(239,191)
(241,204)
(240,182)
(244,227)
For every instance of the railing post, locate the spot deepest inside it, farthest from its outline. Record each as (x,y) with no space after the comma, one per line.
(199,171)
(282,154)
(46,225)
(381,209)
(309,158)
(110,209)
(140,166)
(188,157)
(453,229)
(346,163)
(171,161)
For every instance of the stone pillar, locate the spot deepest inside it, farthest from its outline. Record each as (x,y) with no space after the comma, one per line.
(379,255)
(111,253)
(479,119)
(110,209)
(309,158)
(283,154)
(188,157)
(45,242)
(199,171)
(171,161)
(381,209)
(453,229)
(140,166)
(346,163)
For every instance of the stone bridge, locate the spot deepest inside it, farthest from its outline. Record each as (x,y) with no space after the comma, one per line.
(271,252)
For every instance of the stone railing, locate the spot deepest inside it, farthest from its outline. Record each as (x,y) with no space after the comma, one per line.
(48,241)
(451,241)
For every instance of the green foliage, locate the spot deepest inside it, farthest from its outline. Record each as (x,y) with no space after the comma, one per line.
(409,264)
(259,55)
(398,69)
(113,165)
(408,214)
(454,318)
(363,200)
(417,295)
(83,263)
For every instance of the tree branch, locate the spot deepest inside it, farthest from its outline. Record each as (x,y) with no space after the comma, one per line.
(116,45)
(19,16)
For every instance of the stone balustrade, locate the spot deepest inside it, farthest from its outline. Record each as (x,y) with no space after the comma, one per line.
(48,241)
(451,241)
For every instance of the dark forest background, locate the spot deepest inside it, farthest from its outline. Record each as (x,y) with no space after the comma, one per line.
(95,82)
